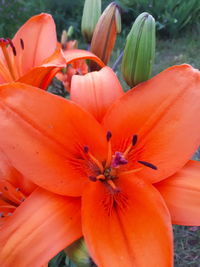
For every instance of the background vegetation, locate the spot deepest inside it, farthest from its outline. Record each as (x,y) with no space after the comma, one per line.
(178,31)
(172,18)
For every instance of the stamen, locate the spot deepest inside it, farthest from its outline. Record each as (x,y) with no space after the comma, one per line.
(12,46)
(132,171)
(147,164)
(108,135)
(11,194)
(109,155)
(2,215)
(133,143)
(9,60)
(114,187)
(92,178)
(100,177)
(22,43)
(3,42)
(134,139)
(86,149)
(98,163)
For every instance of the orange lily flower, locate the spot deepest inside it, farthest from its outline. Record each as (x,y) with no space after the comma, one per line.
(16,193)
(32,55)
(130,170)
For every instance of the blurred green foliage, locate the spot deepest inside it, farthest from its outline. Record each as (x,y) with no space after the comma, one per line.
(13,13)
(172,16)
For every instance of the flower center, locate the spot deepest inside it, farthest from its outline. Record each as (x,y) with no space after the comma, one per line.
(107,172)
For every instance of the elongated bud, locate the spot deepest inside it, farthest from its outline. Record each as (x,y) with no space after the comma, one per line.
(64,38)
(70,31)
(139,51)
(91,14)
(105,33)
(77,252)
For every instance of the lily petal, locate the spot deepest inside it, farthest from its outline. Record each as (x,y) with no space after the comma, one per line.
(96,91)
(39,40)
(12,175)
(128,228)
(164,112)
(76,54)
(49,138)
(40,228)
(181,193)
(42,75)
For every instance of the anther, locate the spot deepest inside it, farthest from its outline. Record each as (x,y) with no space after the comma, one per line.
(12,46)
(133,143)
(92,178)
(2,215)
(134,139)
(4,41)
(86,149)
(109,154)
(108,135)
(147,164)
(22,43)
(101,177)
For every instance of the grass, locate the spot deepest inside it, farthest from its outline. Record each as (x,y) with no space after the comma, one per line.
(185,49)
(186,246)
(177,51)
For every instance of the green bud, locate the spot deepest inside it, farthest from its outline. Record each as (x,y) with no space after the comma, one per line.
(78,253)
(91,14)
(70,31)
(139,50)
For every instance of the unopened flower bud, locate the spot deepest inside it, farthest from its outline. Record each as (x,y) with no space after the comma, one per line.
(118,21)
(105,33)
(91,14)
(139,51)
(78,253)
(70,31)
(64,37)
